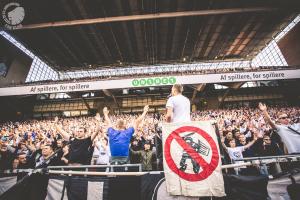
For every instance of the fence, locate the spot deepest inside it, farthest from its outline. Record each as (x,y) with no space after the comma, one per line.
(263,163)
(129,182)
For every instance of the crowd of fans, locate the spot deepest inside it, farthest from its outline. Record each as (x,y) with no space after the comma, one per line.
(244,132)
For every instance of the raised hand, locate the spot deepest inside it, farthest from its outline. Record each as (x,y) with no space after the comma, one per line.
(255,136)
(222,139)
(262,106)
(105,111)
(146,108)
(97,117)
(56,119)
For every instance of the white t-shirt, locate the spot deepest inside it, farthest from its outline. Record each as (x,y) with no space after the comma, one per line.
(289,137)
(101,154)
(181,108)
(236,152)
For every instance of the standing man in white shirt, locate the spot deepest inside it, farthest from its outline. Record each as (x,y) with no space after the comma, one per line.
(178,106)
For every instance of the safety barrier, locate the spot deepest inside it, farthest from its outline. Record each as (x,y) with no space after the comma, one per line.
(264,162)
(108,168)
(281,158)
(117,185)
(61,181)
(250,161)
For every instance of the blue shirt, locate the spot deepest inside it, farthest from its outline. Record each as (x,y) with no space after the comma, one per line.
(119,141)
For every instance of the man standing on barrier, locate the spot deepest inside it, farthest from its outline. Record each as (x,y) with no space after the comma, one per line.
(178,110)
(178,106)
(119,137)
(289,133)
(81,145)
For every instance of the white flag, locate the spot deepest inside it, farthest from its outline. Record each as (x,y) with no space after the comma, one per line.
(192,161)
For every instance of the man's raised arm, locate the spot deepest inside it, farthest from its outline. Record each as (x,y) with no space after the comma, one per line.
(223,143)
(64,133)
(267,117)
(247,146)
(98,129)
(141,117)
(106,118)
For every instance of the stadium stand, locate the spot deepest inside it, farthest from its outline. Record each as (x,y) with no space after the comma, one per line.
(89,91)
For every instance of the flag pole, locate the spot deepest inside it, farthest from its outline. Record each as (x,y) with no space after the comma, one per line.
(222,152)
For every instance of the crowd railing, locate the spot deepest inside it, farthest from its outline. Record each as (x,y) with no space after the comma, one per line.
(263,162)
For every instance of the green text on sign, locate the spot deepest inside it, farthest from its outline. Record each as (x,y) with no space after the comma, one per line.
(154,81)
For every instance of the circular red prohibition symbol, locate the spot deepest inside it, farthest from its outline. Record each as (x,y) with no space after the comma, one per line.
(207,168)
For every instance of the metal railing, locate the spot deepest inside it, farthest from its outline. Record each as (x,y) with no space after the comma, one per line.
(109,168)
(85,168)
(288,157)
(264,161)
(260,162)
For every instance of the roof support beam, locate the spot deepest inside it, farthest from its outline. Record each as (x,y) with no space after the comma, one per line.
(198,88)
(145,17)
(232,87)
(109,94)
(86,104)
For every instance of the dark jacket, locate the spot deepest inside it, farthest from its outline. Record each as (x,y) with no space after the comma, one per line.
(6,160)
(147,158)
(269,150)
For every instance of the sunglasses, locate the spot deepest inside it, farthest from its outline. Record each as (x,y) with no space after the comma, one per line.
(267,139)
(283,117)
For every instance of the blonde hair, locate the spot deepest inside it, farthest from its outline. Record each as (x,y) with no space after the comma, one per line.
(178,87)
(120,123)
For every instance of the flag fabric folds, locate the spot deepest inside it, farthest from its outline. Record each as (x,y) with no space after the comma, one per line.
(192,161)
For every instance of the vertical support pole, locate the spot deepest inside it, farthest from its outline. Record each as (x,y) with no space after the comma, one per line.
(222,152)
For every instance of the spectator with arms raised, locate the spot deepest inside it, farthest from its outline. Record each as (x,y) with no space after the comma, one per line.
(146,156)
(289,134)
(267,147)
(80,145)
(236,152)
(119,137)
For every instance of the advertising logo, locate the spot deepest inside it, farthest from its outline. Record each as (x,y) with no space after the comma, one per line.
(154,81)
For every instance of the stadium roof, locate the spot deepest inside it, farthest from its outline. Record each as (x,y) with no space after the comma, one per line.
(108,33)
